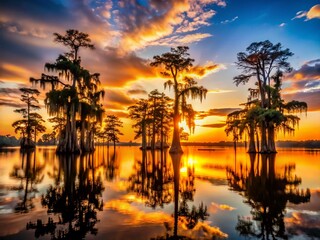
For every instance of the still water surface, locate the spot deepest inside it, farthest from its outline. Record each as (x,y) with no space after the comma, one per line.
(130,194)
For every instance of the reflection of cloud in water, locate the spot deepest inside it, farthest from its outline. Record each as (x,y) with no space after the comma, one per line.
(137,217)
(303,224)
(214,207)
(304,219)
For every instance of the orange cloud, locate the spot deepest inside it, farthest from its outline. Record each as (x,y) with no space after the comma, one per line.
(118,70)
(158,23)
(203,71)
(314,12)
(15,70)
(153,27)
(117,99)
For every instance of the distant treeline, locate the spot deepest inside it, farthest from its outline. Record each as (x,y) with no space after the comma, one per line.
(10,141)
(295,144)
(300,144)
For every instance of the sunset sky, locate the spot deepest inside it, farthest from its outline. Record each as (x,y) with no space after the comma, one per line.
(128,33)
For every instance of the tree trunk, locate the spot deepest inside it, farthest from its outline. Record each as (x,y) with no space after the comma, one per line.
(161,134)
(252,145)
(82,137)
(176,145)
(264,143)
(271,140)
(153,139)
(70,143)
(144,135)
(75,148)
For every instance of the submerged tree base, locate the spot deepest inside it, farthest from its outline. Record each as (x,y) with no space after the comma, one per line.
(62,149)
(176,150)
(263,152)
(27,144)
(268,152)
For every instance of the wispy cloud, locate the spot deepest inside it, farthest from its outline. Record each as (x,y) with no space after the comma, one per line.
(300,14)
(14,27)
(179,39)
(10,97)
(282,24)
(216,112)
(137,91)
(117,99)
(305,85)
(213,125)
(215,91)
(306,78)
(230,20)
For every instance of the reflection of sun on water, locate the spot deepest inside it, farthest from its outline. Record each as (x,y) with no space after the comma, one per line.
(183,170)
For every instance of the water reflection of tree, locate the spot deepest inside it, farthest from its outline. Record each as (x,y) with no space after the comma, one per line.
(152,178)
(184,188)
(159,181)
(72,203)
(267,192)
(29,174)
(111,165)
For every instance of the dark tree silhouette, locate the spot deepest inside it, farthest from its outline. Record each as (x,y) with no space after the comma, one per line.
(111,130)
(160,115)
(152,120)
(261,61)
(280,116)
(32,121)
(139,114)
(176,64)
(82,97)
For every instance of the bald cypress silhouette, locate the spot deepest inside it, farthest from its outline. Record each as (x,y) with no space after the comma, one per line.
(32,122)
(176,65)
(80,98)
(265,63)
